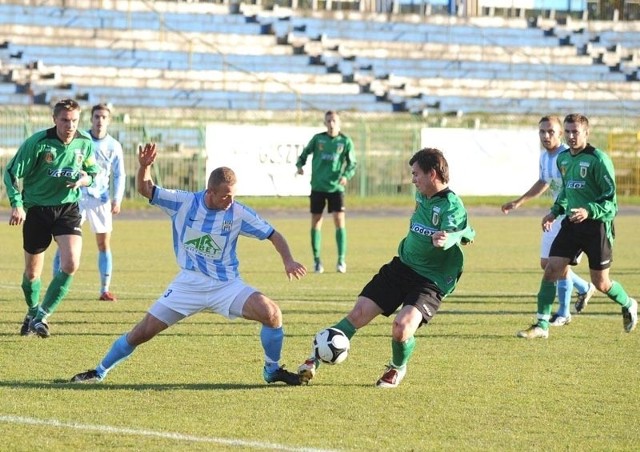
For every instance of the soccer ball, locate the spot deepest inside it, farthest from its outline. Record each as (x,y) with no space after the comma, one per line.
(331,346)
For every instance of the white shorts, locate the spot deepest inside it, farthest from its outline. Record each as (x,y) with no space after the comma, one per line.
(98,213)
(191,292)
(548,238)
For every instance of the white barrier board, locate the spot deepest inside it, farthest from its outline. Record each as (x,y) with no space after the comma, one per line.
(263,157)
(484,162)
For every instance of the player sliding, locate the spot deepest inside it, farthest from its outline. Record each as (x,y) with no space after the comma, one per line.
(426,270)
(206,226)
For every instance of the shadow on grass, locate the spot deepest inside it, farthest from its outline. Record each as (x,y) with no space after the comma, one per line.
(65,384)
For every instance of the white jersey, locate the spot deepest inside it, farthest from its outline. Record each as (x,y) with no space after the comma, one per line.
(549,172)
(204,239)
(109,157)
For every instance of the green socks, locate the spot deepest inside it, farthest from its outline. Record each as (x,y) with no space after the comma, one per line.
(546,295)
(402,351)
(346,327)
(618,294)
(55,293)
(316,243)
(31,290)
(341,241)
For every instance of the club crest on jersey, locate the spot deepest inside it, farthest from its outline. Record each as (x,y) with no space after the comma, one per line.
(584,167)
(435,215)
(340,148)
(48,157)
(563,169)
(226,226)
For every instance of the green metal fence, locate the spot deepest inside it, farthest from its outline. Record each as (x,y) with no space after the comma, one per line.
(383,143)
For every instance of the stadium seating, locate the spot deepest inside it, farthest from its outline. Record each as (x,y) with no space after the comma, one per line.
(279,59)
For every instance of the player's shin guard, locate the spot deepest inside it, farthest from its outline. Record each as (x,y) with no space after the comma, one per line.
(565,290)
(57,290)
(341,242)
(618,294)
(346,327)
(105,267)
(546,296)
(119,351)
(31,290)
(402,351)
(272,340)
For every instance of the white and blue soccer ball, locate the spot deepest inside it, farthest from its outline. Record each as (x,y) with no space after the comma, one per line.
(331,346)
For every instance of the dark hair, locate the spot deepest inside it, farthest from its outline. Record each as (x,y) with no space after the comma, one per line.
(551,118)
(577,118)
(65,105)
(102,106)
(221,175)
(331,112)
(431,158)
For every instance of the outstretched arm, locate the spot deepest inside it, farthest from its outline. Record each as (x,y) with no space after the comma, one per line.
(293,268)
(536,190)
(146,157)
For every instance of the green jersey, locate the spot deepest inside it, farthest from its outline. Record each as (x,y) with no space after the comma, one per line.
(333,158)
(442,212)
(588,181)
(46,165)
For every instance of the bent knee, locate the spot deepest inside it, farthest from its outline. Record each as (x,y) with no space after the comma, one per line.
(263,310)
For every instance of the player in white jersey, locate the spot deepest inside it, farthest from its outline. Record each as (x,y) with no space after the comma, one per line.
(550,133)
(99,202)
(205,227)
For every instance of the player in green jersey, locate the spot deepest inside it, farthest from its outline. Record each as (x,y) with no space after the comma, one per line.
(550,180)
(427,268)
(588,199)
(53,164)
(332,165)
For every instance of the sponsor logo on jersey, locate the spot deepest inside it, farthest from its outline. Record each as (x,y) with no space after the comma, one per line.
(576,184)
(203,246)
(64,172)
(422,229)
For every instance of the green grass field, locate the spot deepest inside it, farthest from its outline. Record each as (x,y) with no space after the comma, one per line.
(471,385)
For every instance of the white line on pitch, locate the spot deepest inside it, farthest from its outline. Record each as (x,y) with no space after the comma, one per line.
(166,435)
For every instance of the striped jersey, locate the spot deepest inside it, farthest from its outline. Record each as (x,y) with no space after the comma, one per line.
(204,239)
(108,154)
(549,172)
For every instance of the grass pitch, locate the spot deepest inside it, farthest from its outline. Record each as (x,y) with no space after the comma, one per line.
(471,385)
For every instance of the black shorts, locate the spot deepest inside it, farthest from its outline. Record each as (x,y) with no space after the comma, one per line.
(43,223)
(334,200)
(589,237)
(398,285)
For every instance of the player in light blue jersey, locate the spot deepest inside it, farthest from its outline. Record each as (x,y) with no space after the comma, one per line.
(99,202)
(205,227)
(550,133)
